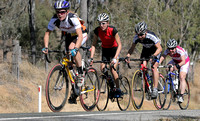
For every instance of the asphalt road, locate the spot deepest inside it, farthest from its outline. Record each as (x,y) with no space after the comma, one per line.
(150,115)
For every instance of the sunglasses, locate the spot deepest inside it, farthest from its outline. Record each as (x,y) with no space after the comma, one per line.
(60,12)
(141,34)
(171,48)
(102,23)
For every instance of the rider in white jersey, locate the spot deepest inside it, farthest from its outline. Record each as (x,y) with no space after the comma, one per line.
(181,61)
(75,36)
(151,49)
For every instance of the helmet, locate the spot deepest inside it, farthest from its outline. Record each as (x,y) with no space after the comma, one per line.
(103,17)
(172,43)
(61,4)
(140,28)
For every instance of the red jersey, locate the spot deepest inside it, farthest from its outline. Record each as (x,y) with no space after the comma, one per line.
(107,37)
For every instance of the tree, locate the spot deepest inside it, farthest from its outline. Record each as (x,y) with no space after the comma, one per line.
(32,30)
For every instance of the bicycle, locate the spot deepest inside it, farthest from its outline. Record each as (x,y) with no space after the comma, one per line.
(142,83)
(173,89)
(106,89)
(57,85)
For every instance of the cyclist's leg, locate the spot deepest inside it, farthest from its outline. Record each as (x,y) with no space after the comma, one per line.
(78,59)
(182,76)
(114,73)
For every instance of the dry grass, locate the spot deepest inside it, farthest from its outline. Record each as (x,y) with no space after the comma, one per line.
(22,96)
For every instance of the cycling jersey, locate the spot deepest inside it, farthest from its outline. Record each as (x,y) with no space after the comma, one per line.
(107,37)
(150,40)
(178,53)
(148,43)
(65,25)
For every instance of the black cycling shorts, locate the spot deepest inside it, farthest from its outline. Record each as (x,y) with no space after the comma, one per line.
(148,52)
(108,53)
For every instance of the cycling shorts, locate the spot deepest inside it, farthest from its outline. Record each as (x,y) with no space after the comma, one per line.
(69,39)
(108,53)
(148,52)
(184,68)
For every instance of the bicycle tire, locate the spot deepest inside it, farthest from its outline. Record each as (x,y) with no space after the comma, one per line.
(56,88)
(104,94)
(90,90)
(137,90)
(169,95)
(124,101)
(184,105)
(162,93)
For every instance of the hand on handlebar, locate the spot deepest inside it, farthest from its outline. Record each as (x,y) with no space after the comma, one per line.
(114,60)
(45,50)
(90,61)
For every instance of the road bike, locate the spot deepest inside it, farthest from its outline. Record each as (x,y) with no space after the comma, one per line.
(107,85)
(173,88)
(57,85)
(142,83)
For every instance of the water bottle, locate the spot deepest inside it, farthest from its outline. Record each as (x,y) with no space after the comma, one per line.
(175,81)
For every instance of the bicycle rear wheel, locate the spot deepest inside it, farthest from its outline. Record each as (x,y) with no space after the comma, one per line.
(124,101)
(184,105)
(90,90)
(56,88)
(104,94)
(137,90)
(162,93)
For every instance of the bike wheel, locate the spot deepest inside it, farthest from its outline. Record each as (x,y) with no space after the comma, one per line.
(104,94)
(184,105)
(90,90)
(169,95)
(56,88)
(124,101)
(162,93)
(137,90)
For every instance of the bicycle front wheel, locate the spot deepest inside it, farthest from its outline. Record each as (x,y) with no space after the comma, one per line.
(124,101)
(137,90)
(90,90)
(184,105)
(104,94)
(169,94)
(56,88)
(162,93)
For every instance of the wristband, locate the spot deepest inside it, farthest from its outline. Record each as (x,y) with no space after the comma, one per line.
(178,66)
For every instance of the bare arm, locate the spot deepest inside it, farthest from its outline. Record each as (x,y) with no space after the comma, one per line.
(119,45)
(93,46)
(46,39)
(159,49)
(183,60)
(80,38)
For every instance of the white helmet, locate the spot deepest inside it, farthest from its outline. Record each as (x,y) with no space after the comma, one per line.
(141,28)
(103,17)
(172,43)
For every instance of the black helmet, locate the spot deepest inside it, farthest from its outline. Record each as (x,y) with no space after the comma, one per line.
(141,28)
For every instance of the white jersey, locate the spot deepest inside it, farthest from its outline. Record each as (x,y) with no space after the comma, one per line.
(65,25)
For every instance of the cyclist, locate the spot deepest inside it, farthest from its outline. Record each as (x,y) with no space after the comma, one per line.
(151,49)
(75,37)
(181,61)
(111,46)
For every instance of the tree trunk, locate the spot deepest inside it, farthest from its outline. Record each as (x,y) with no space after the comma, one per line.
(83,11)
(32,30)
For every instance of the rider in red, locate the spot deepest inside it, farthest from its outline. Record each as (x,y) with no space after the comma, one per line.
(111,46)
